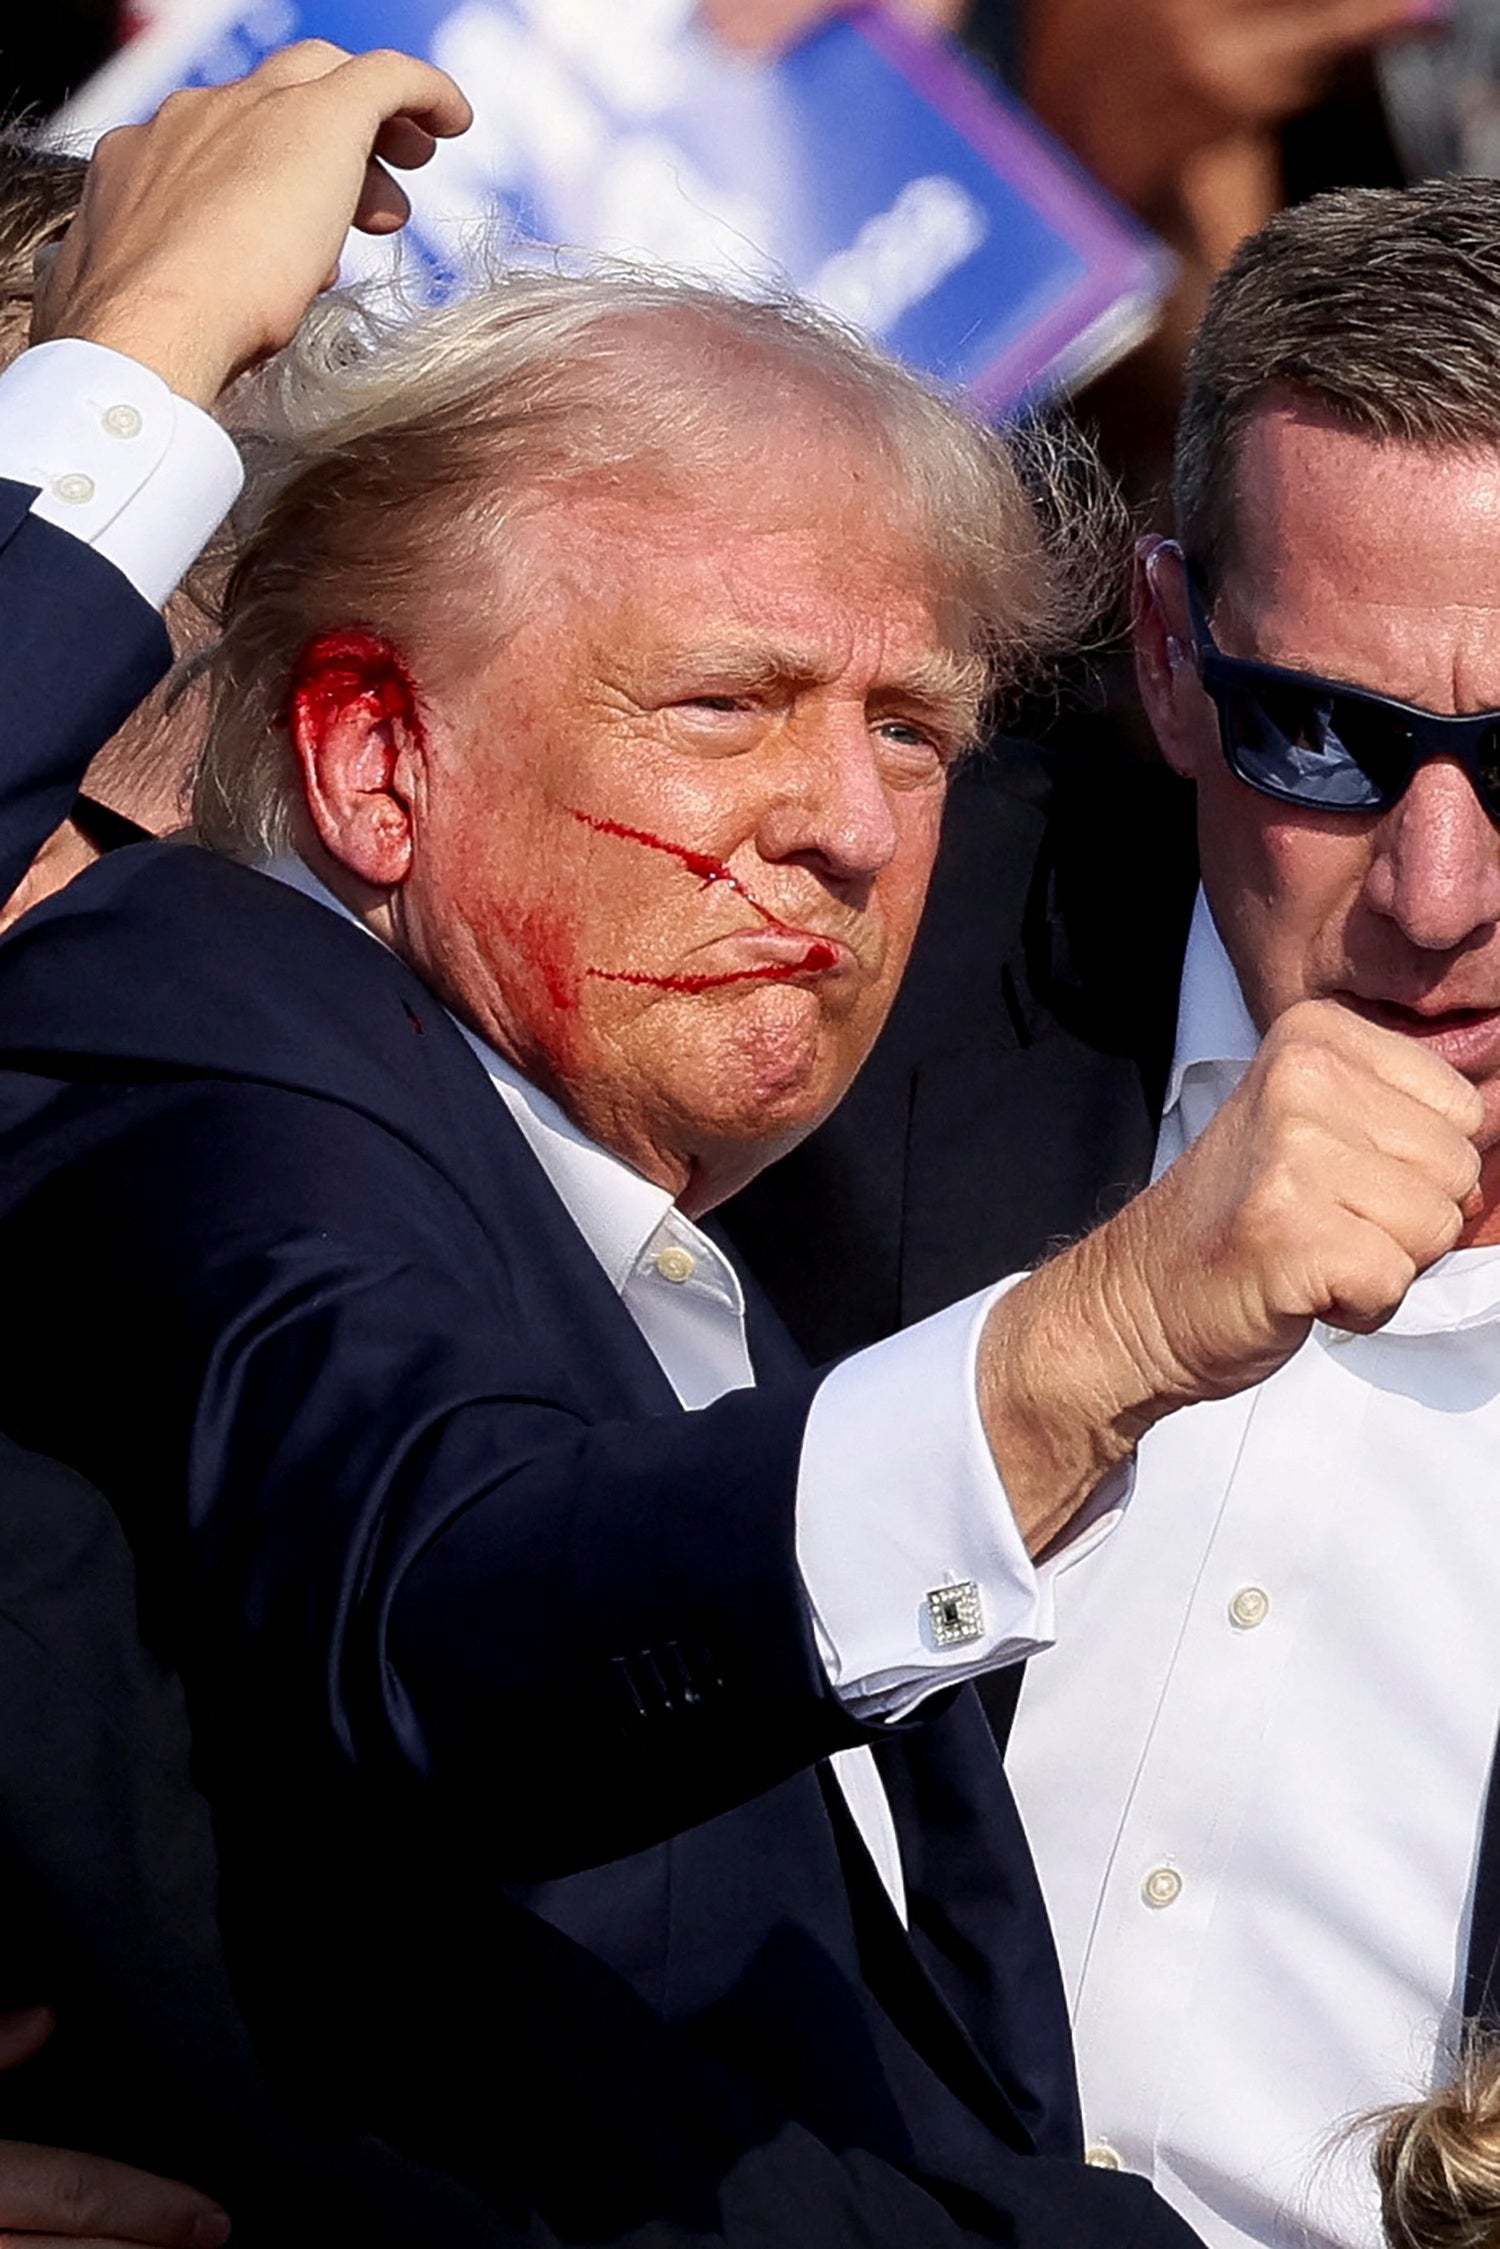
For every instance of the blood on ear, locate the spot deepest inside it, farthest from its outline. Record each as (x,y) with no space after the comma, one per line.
(338,672)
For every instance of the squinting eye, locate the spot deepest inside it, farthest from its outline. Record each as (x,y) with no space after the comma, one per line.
(918,746)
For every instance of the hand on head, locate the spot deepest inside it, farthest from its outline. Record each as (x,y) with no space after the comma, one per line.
(52,2196)
(204,235)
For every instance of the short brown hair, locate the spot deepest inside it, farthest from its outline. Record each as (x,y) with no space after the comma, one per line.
(39,193)
(1381,304)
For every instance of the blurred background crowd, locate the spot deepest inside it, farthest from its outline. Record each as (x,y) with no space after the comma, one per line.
(1202,116)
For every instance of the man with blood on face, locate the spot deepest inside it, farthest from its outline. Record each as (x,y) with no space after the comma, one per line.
(591,674)
(720,737)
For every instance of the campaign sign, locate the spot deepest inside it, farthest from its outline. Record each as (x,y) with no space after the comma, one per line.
(866,166)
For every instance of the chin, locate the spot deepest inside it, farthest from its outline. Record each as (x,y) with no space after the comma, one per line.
(772,1079)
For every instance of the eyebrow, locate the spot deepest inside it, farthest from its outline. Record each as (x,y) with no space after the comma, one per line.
(949,688)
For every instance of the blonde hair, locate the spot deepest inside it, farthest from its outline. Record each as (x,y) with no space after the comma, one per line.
(392,457)
(1438,2160)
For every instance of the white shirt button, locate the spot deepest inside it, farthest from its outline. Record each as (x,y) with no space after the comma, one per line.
(123,421)
(1162,1886)
(1103,2156)
(1250,1607)
(676,1264)
(1336,1338)
(77,490)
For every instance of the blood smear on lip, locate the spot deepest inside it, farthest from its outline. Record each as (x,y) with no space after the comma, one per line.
(819,957)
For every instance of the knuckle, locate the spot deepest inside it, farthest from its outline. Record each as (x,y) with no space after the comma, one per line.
(1371,1291)
(310,50)
(1459,1175)
(1300,1072)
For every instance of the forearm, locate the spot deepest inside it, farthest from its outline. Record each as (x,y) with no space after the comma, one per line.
(1073,1370)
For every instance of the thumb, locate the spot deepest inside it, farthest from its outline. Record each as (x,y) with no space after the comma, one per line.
(23,2032)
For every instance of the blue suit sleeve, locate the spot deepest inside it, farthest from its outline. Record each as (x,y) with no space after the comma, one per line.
(406,1521)
(79,649)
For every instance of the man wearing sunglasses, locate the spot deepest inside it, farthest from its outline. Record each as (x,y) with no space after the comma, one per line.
(1256,1762)
(1275,1693)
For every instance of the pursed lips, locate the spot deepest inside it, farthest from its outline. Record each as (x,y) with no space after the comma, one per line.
(1466,1036)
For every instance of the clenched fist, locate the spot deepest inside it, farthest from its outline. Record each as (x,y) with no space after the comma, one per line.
(1338,1171)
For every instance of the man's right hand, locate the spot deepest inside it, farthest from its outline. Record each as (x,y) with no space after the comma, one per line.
(204,235)
(1338,1170)
(53,2199)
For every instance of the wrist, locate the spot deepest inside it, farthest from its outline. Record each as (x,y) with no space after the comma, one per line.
(158,334)
(1075,1369)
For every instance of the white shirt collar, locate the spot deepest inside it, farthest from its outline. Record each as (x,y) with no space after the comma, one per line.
(1214,1026)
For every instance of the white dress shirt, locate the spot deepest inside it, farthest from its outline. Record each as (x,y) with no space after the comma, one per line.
(118,460)
(1254,1765)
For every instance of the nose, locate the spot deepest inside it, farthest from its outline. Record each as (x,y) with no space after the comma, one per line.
(833,812)
(1435,871)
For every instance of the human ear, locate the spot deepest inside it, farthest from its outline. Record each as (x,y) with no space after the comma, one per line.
(355,725)
(1166,670)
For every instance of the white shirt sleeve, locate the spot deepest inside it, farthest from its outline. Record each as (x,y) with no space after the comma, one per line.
(898,1497)
(119,461)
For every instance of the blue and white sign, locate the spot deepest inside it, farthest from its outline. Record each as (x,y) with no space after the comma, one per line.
(866,166)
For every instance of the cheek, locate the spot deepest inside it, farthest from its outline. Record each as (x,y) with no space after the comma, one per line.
(516,882)
(1283,888)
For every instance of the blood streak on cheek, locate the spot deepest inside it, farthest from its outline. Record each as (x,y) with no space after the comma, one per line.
(820,954)
(541,941)
(337,671)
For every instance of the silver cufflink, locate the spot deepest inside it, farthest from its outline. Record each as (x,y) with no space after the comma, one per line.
(956,1614)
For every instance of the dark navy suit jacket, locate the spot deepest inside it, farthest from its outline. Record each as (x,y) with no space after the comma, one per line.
(500,1664)
(79,649)
(108,1884)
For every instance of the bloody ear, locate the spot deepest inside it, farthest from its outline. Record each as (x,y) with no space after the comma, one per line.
(352,713)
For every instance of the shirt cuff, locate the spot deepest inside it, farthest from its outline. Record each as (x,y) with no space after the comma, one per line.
(898,1500)
(117,459)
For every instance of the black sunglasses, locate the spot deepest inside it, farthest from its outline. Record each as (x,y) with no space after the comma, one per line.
(1318,742)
